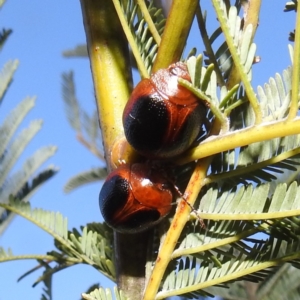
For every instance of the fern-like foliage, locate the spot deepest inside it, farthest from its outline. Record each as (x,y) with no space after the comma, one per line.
(4,34)
(24,182)
(18,184)
(86,126)
(92,245)
(47,290)
(220,54)
(285,281)
(78,51)
(87,132)
(104,294)
(84,178)
(291,6)
(6,76)
(235,198)
(251,224)
(246,257)
(91,289)
(144,26)
(256,162)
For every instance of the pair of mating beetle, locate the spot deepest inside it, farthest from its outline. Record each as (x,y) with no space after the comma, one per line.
(161,120)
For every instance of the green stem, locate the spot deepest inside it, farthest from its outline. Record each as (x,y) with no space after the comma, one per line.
(193,189)
(130,39)
(109,59)
(175,34)
(33,256)
(177,225)
(252,167)
(215,110)
(208,45)
(231,276)
(296,72)
(236,59)
(149,21)
(243,137)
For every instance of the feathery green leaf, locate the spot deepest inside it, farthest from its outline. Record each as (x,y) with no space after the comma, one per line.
(7,72)
(17,147)
(105,294)
(84,178)
(12,121)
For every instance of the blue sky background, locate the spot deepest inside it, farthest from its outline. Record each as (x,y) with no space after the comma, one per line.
(41,31)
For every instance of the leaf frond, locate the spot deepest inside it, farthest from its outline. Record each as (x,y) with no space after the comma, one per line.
(105,294)
(248,202)
(91,289)
(78,51)
(4,34)
(12,121)
(7,255)
(84,178)
(252,263)
(241,49)
(93,246)
(286,280)
(241,39)
(71,103)
(24,193)
(252,162)
(7,72)
(47,289)
(86,126)
(14,184)
(53,223)
(17,147)
(143,28)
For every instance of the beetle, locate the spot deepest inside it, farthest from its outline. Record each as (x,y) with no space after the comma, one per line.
(135,197)
(161,118)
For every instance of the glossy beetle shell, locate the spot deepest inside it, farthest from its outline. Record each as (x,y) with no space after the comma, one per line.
(162,119)
(134,198)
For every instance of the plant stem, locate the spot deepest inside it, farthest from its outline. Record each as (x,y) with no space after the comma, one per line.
(175,34)
(208,45)
(108,52)
(130,39)
(251,16)
(236,59)
(194,187)
(109,58)
(243,137)
(133,247)
(178,223)
(149,21)
(296,72)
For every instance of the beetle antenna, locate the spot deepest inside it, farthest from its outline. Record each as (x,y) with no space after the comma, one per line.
(191,206)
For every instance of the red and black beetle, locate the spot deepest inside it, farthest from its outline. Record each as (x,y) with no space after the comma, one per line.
(162,119)
(134,198)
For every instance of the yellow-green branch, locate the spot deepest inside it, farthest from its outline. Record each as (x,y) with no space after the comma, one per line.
(232,276)
(236,59)
(149,21)
(131,40)
(178,223)
(109,59)
(252,167)
(296,72)
(175,34)
(243,137)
